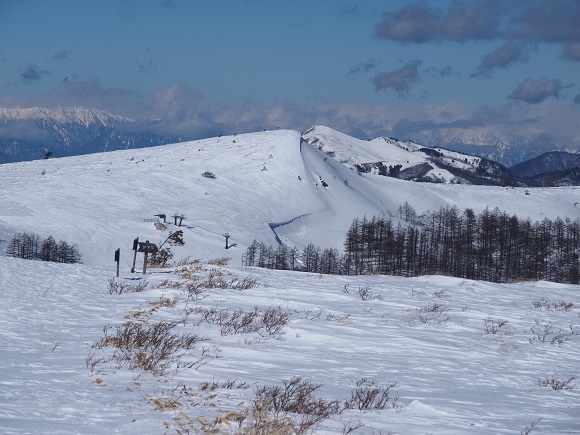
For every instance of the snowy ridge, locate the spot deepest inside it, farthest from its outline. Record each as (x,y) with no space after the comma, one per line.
(391,153)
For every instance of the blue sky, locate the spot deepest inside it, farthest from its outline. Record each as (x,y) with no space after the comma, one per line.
(401,68)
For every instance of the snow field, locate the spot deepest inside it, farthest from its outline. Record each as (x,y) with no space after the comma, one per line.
(452,377)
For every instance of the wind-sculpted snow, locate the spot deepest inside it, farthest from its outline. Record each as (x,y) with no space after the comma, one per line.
(456,371)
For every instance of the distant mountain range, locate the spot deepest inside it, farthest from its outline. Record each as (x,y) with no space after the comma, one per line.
(509,150)
(36,133)
(28,134)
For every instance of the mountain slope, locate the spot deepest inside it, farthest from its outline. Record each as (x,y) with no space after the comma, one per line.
(548,162)
(268,186)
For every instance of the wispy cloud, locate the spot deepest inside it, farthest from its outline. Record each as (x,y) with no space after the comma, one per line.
(534,91)
(62,55)
(504,56)
(32,73)
(364,67)
(350,10)
(399,80)
(147,63)
(445,71)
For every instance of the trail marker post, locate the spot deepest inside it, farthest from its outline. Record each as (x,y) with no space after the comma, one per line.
(227,236)
(180,217)
(117,259)
(135,245)
(147,248)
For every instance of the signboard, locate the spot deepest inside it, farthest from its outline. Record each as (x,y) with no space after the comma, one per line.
(148,248)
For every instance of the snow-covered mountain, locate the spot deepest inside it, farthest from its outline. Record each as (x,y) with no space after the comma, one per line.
(408,160)
(548,162)
(29,133)
(268,186)
(443,355)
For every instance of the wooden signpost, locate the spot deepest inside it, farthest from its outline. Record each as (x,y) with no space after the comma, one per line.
(147,248)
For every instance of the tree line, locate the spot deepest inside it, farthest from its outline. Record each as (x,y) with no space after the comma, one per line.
(489,246)
(31,247)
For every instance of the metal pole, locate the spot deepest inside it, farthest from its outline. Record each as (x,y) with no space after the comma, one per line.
(118,259)
(145,261)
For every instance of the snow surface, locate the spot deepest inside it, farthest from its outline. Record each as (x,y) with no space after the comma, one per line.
(452,377)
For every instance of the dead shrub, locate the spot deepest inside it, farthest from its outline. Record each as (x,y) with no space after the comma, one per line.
(434,308)
(145,347)
(187,261)
(557,305)
(365,293)
(221,261)
(527,430)
(258,421)
(116,287)
(544,333)
(439,294)
(368,394)
(495,326)
(160,226)
(229,384)
(267,324)
(293,404)
(558,384)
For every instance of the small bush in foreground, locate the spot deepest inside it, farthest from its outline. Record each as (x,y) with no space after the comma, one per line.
(291,404)
(268,323)
(532,427)
(558,384)
(544,333)
(152,348)
(229,384)
(557,305)
(116,287)
(495,326)
(221,261)
(368,394)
